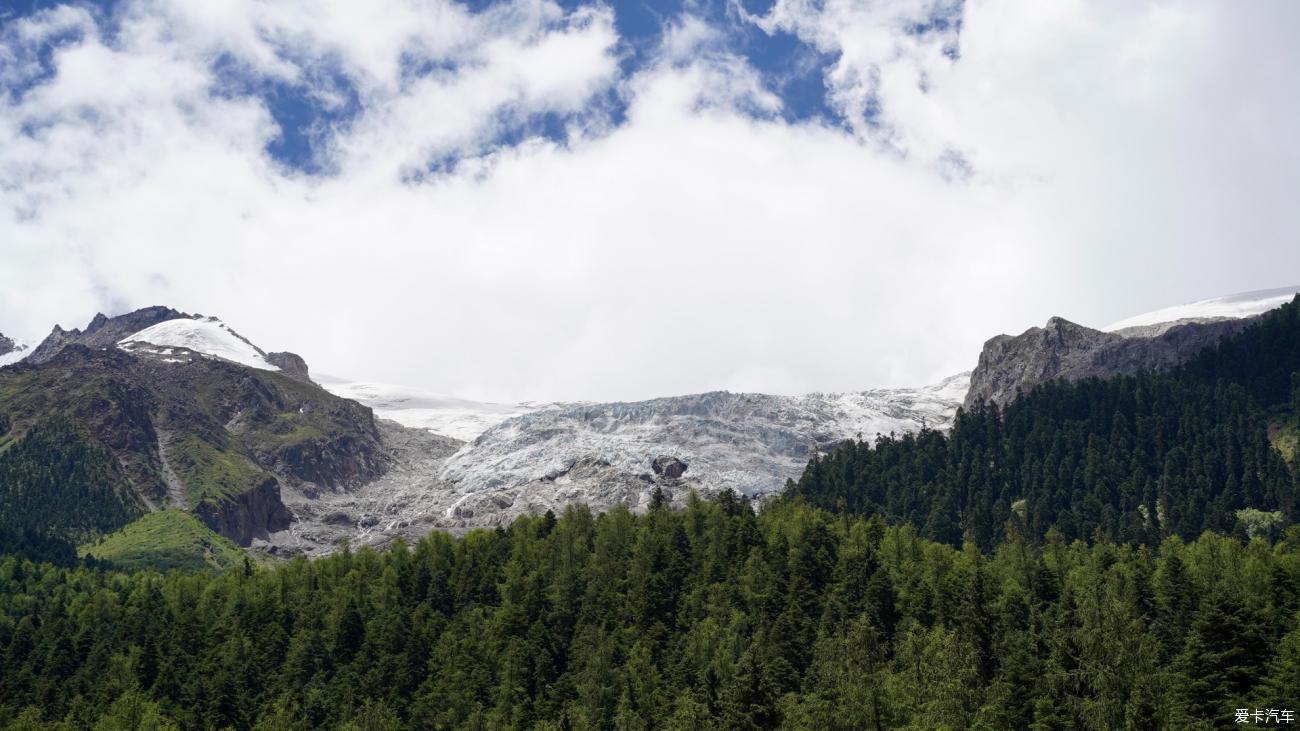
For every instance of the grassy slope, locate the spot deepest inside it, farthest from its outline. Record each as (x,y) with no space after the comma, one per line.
(169,539)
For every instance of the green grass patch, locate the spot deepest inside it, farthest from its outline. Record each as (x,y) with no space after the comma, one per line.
(1284,433)
(285,432)
(164,541)
(209,473)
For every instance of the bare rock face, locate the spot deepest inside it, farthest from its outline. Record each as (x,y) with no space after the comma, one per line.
(291,364)
(254,513)
(669,467)
(7,345)
(1013,364)
(102,332)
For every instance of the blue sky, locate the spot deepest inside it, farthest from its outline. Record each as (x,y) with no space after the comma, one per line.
(532,199)
(790,67)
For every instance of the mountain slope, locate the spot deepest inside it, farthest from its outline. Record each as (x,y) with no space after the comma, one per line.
(162,541)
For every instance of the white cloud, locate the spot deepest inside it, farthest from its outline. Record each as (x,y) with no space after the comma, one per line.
(1120,157)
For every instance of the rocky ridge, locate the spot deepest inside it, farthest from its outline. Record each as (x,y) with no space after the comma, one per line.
(1010,365)
(102,332)
(1013,364)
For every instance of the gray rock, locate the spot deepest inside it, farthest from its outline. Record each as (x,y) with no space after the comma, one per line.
(255,513)
(1009,365)
(7,345)
(669,467)
(291,364)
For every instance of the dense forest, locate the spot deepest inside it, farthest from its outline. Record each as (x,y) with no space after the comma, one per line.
(707,617)
(1129,459)
(58,487)
(1117,554)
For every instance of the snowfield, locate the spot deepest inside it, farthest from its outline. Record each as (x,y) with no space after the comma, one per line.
(1233,306)
(22,351)
(207,336)
(458,418)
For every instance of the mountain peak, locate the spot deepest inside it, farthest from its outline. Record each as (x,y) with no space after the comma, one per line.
(102,331)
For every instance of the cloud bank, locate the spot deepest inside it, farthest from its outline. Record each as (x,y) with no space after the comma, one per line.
(521,201)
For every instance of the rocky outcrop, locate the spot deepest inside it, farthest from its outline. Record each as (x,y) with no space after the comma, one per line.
(1009,365)
(291,364)
(337,461)
(7,345)
(669,467)
(102,332)
(254,513)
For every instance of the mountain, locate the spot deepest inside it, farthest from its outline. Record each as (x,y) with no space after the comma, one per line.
(195,417)
(1154,341)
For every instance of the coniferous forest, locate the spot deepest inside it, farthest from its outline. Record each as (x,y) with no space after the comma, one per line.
(1107,554)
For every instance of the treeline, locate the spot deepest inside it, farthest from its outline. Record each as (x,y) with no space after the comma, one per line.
(1129,459)
(59,487)
(707,617)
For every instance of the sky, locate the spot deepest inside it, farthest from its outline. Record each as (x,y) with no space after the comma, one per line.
(567,200)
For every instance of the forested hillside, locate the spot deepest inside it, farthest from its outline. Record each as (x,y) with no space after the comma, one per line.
(58,487)
(1133,459)
(708,617)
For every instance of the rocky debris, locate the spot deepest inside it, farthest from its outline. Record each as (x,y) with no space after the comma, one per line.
(1009,364)
(669,467)
(254,513)
(407,501)
(103,331)
(7,345)
(291,364)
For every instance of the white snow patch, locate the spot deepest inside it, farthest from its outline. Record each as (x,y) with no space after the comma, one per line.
(207,336)
(15,355)
(1233,306)
(450,416)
